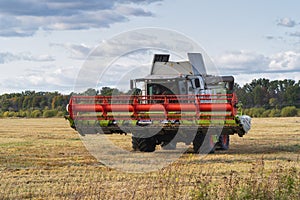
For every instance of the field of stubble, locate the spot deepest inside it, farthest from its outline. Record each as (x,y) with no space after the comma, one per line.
(46,159)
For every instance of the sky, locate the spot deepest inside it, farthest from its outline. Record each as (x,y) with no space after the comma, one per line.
(44,44)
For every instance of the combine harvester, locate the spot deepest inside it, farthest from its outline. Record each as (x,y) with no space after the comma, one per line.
(177,102)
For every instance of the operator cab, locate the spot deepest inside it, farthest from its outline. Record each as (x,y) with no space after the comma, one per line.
(181,85)
(181,78)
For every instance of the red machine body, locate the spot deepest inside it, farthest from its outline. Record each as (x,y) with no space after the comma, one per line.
(160,107)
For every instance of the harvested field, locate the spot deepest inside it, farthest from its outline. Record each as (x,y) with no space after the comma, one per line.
(46,159)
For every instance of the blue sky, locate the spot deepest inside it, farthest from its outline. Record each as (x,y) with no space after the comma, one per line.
(43,44)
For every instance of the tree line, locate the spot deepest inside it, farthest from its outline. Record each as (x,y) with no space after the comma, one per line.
(260,98)
(265,98)
(33,104)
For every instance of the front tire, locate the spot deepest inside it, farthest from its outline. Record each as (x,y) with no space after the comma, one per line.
(223,142)
(204,143)
(143,144)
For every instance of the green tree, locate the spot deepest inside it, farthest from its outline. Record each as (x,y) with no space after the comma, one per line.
(36,114)
(26,103)
(49,113)
(35,103)
(5,104)
(106,91)
(259,96)
(273,102)
(91,92)
(289,111)
(291,94)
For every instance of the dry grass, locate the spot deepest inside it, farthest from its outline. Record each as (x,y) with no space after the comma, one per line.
(45,159)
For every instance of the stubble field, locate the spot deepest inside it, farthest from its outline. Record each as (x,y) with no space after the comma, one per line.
(46,159)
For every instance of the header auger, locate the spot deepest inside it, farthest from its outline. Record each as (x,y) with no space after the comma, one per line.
(177,102)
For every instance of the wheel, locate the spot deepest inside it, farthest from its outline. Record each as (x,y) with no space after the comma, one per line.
(135,143)
(143,144)
(197,142)
(203,143)
(223,142)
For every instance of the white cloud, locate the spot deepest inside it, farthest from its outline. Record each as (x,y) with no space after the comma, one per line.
(19,18)
(6,57)
(246,66)
(39,58)
(269,37)
(286,22)
(243,62)
(127,10)
(285,61)
(77,51)
(47,78)
(295,34)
